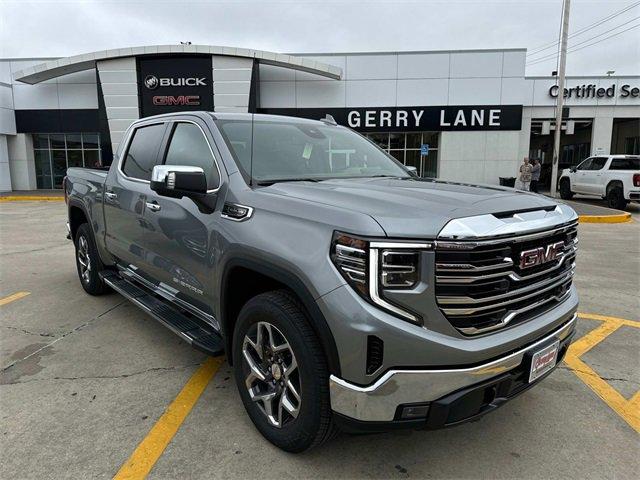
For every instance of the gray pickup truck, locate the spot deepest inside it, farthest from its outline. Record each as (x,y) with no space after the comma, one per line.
(347,293)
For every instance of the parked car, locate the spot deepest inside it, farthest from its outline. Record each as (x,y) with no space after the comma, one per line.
(346,292)
(615,178)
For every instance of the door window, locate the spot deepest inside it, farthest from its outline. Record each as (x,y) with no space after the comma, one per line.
(143,151)
(189,147)
(598,163)
(586,165)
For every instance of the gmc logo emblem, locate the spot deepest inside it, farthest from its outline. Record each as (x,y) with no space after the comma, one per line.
(178,100)
(540,255)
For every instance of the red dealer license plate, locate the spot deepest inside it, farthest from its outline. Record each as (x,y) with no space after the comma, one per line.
(543,361)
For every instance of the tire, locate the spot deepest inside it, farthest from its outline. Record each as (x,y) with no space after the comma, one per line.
(88,262)
(565,190)
(615,198)
(311,424)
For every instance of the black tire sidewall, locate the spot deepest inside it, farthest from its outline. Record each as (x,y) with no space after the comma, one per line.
(299,434)
(565,190)
(95,285)
(615,198)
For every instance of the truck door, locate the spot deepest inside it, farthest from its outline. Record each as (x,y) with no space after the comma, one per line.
(125,196)
(579,179)
(182,236)
(594,177)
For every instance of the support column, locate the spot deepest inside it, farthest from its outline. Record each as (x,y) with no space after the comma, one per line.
(5,172)
(601,133)
(22,162)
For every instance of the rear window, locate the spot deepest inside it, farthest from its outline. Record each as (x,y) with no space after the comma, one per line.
(143,151)
(629,163)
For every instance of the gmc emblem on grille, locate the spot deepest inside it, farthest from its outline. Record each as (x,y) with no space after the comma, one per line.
(540,255)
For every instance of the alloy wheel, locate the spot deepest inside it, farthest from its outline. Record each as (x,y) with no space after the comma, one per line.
(272,376)
(83,259)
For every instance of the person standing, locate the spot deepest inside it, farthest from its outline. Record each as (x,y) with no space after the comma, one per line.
(524,175)
(535,175)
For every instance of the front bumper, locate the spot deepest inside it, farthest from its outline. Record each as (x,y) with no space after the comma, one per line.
(451,395)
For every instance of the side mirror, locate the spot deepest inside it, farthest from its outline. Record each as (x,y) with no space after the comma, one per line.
(573,169)
(413,171)
(178,181)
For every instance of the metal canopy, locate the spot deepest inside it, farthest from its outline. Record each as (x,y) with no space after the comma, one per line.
(64,66)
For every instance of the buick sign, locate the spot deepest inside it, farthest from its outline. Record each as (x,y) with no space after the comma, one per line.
(174,83)
(151,82)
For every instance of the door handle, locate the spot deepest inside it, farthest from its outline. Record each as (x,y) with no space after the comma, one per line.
(154,207)
(111,195)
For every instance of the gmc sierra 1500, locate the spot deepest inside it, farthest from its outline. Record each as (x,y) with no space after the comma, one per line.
(346,292)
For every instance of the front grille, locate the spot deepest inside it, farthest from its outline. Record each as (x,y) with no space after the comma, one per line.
(480,285)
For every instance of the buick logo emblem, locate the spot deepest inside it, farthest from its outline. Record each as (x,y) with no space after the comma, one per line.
(151,82)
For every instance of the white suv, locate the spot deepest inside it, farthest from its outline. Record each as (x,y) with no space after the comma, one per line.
(613,177)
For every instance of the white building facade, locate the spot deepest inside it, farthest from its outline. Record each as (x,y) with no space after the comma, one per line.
(467,116)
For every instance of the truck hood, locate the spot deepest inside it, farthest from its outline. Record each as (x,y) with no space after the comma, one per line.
(411,207)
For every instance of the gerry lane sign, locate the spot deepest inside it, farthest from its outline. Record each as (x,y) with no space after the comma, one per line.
(406,119)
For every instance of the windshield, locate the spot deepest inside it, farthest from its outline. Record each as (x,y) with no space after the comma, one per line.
(290,150)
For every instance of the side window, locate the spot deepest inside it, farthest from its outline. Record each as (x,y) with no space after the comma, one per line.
(143,150)
(598,163)
(189,147)
(586,165)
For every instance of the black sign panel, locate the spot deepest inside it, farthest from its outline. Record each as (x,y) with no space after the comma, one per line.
(174,83)
(407,119)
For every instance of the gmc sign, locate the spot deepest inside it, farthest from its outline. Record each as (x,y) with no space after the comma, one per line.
(172,83)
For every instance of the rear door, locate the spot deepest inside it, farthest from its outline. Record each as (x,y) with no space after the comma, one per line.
(126,192)
(182,235)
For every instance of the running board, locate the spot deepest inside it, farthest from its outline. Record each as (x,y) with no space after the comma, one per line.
(195,332)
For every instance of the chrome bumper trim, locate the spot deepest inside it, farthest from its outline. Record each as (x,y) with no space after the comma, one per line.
(378,401)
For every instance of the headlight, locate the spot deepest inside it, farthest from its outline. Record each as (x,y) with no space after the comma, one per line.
(373,267)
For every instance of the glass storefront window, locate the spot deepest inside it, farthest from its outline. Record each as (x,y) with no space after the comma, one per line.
(381,139)
(396,141)
(43,168)
(55,152)
(405,147)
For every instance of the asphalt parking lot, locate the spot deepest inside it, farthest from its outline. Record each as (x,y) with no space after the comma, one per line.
(86,380)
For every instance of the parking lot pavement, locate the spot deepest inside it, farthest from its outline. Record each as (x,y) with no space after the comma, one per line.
(85,379)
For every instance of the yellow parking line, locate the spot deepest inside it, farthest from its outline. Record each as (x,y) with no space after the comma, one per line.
(13,297)
(629,410)
(30,198)
(149,450)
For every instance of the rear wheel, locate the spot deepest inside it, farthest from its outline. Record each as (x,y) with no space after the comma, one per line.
(88,262)
(565,189)
(615,198)
(281,372)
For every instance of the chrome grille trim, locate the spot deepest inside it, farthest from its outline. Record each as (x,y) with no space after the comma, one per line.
(450,280)
(483,285)
(483,308)
(470,245)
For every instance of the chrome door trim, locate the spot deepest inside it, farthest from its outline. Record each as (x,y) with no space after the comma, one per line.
(129,136)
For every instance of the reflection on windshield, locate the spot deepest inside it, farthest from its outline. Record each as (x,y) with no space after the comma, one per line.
(280,151)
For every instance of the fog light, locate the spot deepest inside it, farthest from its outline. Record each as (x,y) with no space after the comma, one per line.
(412,412)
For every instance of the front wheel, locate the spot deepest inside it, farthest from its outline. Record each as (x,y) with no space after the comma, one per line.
(565,190)
(281,372)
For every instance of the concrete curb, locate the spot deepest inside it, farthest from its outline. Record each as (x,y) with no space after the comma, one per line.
(30,198)
(619,218)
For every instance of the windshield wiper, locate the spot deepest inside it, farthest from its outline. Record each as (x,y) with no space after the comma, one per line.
(281,180)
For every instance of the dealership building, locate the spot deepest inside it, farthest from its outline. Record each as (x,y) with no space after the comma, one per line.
(464,115)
